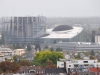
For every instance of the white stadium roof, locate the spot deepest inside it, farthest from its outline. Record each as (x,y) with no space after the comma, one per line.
(70,33)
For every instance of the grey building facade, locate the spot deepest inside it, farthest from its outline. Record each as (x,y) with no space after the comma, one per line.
(77,46)
(23,29)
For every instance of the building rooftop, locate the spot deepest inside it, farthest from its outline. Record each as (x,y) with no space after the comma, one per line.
(55,70)
(94,69)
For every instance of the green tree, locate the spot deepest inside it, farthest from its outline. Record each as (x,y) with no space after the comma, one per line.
(54,42)
(59,49)
(92,57)
(18,58)
(9,67)
(87,39)
(37,46)
(92,52)
(51,49)
(29,47)
(49,64)
(46,47)
(36,63)
(25,63)
(45,55)
(15,59)
(17,46)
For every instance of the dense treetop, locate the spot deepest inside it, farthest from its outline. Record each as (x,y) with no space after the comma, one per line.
(45,55)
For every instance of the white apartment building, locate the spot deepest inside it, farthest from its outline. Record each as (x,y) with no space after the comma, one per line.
(0,31)
(78,64)
(5,53)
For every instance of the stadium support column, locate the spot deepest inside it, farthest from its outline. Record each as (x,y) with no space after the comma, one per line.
(12,27)
(7,23)
(27,30)
(22,30)
(17,29)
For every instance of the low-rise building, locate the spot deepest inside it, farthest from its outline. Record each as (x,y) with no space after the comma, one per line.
(55,71)
(31,69)
(80,71)
(2,57)
(6,51)
(6,54)
(29,55)
(19,52)
(38,70)
(96,71)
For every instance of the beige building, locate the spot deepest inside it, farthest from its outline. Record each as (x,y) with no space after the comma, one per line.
(19,52)
(97,39)
(96,36)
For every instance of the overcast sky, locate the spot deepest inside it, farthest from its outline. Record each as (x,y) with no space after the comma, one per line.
(50,8)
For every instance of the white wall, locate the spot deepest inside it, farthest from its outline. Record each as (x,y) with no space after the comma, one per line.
(60,64)
(89,61)
(79,62)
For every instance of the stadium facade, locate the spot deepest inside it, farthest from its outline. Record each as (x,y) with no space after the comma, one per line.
(23,29)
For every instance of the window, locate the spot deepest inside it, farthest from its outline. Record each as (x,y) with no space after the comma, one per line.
(85,61)
(62,64)
(86,64)
(75,65)
(69,65)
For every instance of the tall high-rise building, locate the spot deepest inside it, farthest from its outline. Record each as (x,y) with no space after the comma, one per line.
(24,29)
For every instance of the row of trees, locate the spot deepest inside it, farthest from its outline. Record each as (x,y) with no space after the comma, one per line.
(37,47)
(29,46)
(12,67)
(57,49)
(8,67)
(41,57)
